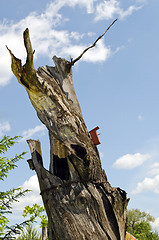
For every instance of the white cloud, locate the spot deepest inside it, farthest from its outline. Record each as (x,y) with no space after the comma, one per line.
(107,10)
(130,161)
(88,4)
(154,169)
(32,131)
(30,198)
(129,11)
(155,224)
(44,37)
(9,37)
(47,41)
(32,184)
(5,73)
(76,35)
(4,127)
(148,184)
(111,9)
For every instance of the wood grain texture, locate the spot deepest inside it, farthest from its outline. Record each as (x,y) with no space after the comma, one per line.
(79,201)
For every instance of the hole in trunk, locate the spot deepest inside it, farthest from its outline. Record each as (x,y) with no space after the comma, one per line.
(80,151)
(61,168)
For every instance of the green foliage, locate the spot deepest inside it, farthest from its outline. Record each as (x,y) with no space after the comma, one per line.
(12,195)
(7,164)
(29,233)
(34,212)
(139,225)
(6,200)
(12,231)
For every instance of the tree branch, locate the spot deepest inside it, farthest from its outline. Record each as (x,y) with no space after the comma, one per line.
(16,65)
(28,46)
(93,45)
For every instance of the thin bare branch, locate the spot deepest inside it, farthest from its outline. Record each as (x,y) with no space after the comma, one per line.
(93,45)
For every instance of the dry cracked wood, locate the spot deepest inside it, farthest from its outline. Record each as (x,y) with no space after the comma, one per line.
(79,201)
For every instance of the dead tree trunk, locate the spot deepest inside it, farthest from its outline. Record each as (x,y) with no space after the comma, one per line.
(79,201)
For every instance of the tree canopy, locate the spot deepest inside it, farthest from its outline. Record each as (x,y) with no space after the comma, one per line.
(139,225)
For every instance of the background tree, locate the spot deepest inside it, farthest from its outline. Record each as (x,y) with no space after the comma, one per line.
(12,195)
(29,233)
(139,225)
(37,211)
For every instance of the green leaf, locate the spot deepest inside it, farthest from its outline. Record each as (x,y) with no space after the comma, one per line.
(12,195)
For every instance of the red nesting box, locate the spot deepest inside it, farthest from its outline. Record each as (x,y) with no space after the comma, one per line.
(94,136)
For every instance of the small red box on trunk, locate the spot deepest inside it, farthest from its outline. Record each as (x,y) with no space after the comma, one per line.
(94,136)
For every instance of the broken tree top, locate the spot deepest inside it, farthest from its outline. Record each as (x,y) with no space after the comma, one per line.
(79,201)
(52,94)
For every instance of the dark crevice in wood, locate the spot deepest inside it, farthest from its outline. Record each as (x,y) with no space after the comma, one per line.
(110,213)
(106,229)
(37,155)
(24,83)
(60,168)
(80,151)
(122,193)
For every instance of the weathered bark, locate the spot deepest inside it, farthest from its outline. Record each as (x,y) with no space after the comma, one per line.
(79,201)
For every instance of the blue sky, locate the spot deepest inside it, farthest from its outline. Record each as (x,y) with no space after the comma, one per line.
(117,85)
